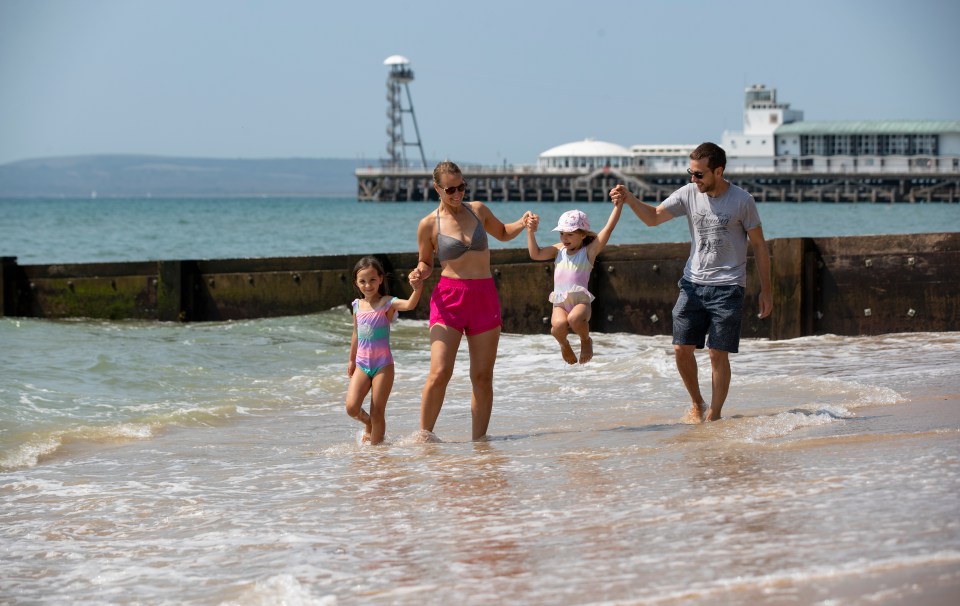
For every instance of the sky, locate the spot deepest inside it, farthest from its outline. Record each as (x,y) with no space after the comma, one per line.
(495,81)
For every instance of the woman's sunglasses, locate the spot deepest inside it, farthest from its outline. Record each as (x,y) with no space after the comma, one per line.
(695,173)
(451,190)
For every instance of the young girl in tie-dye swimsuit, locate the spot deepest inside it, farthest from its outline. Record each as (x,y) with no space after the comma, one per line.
(574,256)
(370,346)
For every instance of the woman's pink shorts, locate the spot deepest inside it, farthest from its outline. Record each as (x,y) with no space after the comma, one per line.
(470,306)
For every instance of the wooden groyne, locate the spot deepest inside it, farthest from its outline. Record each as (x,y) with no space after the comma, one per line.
(860,285)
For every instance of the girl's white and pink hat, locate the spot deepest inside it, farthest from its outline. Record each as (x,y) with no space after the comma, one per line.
(574,220)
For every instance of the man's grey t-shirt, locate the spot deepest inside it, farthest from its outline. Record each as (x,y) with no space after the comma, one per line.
(718,233)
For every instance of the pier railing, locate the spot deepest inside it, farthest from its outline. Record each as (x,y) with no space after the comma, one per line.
(805,179)
(844,285)
(784,165)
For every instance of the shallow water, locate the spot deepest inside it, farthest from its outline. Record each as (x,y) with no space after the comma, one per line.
(214,464)
(152,463)
(40,231)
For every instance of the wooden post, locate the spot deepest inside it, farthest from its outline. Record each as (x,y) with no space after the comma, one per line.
(8,286)
(787,277)
(811,289)
(169,291)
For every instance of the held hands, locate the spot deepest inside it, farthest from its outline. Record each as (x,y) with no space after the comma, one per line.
(531,221)
(416,278)
(620,195)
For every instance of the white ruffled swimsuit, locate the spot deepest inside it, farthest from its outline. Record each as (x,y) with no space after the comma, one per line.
(571,277)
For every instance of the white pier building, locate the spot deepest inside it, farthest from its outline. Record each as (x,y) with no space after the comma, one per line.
(776,139)
(777,157)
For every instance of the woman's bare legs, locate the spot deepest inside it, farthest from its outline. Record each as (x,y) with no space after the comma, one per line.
(483,356)
(444,343)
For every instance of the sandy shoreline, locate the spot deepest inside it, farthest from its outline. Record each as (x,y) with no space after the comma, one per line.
(933,580)
(832,478)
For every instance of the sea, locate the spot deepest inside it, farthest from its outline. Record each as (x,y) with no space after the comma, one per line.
(213,463)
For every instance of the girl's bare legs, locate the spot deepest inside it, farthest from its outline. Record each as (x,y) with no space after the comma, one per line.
(483,355)
(444,343)
(560,328)
(579,320)
(356,392)
(382,385)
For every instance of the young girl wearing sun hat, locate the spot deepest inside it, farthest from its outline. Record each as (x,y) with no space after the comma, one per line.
(574,256)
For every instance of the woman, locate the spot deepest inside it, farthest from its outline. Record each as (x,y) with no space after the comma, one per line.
(465,300)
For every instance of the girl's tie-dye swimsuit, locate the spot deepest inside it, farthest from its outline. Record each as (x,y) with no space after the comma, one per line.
(373,338)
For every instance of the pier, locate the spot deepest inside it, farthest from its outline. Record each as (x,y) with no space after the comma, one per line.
(939,182)
(863,285)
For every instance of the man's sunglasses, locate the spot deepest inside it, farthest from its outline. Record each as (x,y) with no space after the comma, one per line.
(450,190)
(695,173)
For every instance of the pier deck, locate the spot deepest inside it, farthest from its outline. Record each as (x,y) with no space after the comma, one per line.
(525,184)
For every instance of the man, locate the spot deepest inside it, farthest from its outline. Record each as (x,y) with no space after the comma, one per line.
(722,217)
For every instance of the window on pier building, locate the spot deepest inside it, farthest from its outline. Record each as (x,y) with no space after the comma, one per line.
(883,145)
(854,145)
(926,145)
(813,145)
(830,145)
(841,145)
(898,145)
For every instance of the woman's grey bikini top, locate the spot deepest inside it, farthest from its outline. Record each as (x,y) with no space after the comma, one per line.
(450,248)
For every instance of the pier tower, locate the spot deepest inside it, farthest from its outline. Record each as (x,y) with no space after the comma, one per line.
(397,144)
(755,145)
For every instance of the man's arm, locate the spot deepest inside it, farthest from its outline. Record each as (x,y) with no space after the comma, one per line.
(762,256)
(650,215)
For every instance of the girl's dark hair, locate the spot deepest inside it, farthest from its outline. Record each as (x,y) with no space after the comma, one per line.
(366,263)
(587,238)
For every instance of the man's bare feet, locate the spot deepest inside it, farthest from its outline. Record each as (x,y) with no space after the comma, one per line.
(713,416)
(695,413)
(567,352)
(586,350)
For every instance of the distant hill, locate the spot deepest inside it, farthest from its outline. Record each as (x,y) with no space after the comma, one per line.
(158,176)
